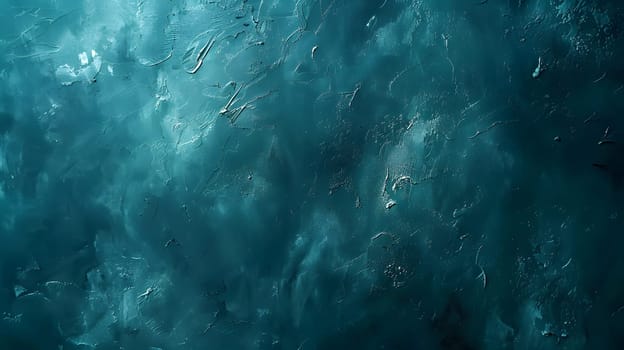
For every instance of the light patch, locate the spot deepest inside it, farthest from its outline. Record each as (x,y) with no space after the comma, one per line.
(19,290)
(87,72)
(221,208)
(84,59)
(66,75)
(565,9)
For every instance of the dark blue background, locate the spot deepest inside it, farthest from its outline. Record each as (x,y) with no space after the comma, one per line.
(135,215)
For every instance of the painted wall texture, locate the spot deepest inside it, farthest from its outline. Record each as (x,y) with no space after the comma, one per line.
(312,174)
